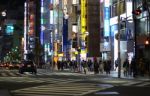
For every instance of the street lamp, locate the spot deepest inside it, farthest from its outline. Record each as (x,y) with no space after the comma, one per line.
(119,57)
(3,13)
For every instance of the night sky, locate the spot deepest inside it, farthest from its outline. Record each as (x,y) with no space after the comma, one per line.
(12,4)
(11,1)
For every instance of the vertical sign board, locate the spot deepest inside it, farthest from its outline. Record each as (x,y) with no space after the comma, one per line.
(25,27)
(106,18)
(83,16)
(65,32)
(83,25)
(42,22)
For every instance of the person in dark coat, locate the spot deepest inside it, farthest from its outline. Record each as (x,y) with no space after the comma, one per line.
(96,66)
(133,67)
(108,64)
(126,67)
(84,65)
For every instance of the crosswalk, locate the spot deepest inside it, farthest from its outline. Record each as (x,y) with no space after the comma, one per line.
(137,83)
(37,80)
(10,74)
(59,89)
(17,74)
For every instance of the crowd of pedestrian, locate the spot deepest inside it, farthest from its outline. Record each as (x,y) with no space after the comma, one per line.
(96,66)
(133,68)
(140,67)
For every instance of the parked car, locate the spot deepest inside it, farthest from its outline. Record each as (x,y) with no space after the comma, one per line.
(28,66)
(14,65)
(1,65)
(6,65)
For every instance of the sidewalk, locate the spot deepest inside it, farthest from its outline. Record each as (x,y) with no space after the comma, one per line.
(4,92)
(113,74)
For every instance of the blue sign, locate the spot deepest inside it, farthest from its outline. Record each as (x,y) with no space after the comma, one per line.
(65,31)
(9,29)
(106,21)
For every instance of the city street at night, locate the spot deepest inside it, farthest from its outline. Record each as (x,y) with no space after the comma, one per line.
(74,47)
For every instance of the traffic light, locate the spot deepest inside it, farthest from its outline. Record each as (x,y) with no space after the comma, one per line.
(147,45)
(147,42)
(137,12)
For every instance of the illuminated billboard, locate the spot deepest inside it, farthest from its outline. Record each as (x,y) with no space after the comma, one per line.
(9,29)
(83,16)
(106,18)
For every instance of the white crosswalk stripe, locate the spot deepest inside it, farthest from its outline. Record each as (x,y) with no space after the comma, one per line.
(20,79)
(144,84)
(137,83)
(3,74)
(10,74)
(131,83)
(16,74)
(69,89)
(37,80)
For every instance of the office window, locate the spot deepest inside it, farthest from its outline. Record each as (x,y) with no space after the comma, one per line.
(113,10)
(122,7)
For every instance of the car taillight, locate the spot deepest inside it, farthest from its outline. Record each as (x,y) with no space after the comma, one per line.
(11,65)
(22,64)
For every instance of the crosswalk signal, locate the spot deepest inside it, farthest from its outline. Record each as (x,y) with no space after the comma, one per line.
(137,12)
(147,41)
(147,45)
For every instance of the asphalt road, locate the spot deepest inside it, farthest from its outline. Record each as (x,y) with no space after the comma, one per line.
(70,84)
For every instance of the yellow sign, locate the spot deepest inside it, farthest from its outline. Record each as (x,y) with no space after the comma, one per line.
(60,55)
(83,16)
(76,52)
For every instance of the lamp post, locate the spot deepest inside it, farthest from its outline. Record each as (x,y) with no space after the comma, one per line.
(79,40)
(3,13)
(119,58)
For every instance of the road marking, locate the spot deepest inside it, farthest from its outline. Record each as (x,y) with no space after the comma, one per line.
(131,83)
(69,89)
(12,74)
(143,84)
(3,74)
(107,93)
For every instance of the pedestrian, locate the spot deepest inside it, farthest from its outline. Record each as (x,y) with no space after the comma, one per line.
(84,65)
(141,66)
(89,62)
(126,67)
(116,65)
(101,66)
(96,66)
(62,65)
(58,65)
(108,66)
(134,67)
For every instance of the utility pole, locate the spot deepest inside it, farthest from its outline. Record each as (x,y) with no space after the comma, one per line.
(119,58)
